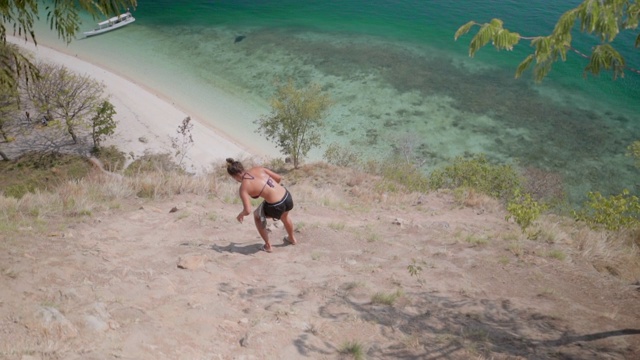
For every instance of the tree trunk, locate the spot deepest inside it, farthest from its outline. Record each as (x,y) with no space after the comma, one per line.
(73,134)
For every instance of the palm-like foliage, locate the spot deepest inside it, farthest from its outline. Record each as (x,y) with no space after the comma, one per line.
(603,18)
(18,16)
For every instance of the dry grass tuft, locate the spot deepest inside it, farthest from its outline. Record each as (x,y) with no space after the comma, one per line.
(317,184)
(476,200)
(609,253)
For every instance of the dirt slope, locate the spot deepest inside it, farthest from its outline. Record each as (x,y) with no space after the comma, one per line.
(109,286)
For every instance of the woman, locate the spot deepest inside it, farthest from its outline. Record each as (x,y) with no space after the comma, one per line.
(262,182)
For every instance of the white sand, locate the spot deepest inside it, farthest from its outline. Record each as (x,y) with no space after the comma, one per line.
(142,115)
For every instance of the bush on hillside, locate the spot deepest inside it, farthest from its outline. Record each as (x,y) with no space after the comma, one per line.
(40,171)
(400,176)
(499,181)
(153,163)
(613,213)
(112,159)
(341,156)
(524,210)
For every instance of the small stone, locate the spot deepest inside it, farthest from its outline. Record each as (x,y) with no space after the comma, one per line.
(191,262)
(244,342)
(96,324)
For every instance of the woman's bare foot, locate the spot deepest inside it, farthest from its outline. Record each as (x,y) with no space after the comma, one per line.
(286,240)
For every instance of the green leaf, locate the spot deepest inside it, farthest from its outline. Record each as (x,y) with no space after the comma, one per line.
(566,22)
(541,70)
(464,29)
(504,39)
(481,39)
(524,65)
(606,57)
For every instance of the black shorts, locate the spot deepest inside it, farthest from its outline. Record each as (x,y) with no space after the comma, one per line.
(276,210)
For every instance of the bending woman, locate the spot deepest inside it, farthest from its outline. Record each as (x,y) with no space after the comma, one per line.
(260,182)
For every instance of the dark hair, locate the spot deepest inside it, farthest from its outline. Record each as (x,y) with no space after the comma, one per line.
(234,167)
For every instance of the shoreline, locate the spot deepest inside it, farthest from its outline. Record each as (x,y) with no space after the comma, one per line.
(147,120)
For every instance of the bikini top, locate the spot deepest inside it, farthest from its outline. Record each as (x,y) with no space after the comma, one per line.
(269,182)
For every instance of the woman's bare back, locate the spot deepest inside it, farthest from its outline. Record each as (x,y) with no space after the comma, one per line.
(264,183)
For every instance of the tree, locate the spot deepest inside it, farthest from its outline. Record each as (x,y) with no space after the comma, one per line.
(295,118)
(9,94)
(59,94)
(62,16)
(8,109)
(102,124)
(603,18)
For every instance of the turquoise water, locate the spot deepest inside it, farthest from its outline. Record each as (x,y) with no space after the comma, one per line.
(398,79)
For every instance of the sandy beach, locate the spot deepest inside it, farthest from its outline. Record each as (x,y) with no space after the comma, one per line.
(146,121)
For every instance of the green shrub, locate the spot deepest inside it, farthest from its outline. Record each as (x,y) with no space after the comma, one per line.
(19,190)
(112,159)
(386,299)
(499,181)
(153,163)
(341,156)
(277,164)
(40,171)
(524,210)
(400,175)
(611,213)
(634,151)
(353,348)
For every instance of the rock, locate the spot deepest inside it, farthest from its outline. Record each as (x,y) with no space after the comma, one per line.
(244,342)
(398,221)
(143,139)
(191,262)
(56,322)
(441,224)
(95,323)
(173,209)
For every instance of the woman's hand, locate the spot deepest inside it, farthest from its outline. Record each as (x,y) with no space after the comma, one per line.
(240,217)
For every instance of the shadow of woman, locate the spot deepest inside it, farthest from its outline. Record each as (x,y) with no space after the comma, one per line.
(235,248)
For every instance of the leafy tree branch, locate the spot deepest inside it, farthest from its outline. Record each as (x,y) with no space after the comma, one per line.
(62,16)
(603,18)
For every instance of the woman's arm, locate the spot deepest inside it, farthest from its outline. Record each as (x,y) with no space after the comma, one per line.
(273,175)
(246,204)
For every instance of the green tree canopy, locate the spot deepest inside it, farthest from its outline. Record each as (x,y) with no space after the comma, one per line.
(603,18)
(102,123)
(295,118)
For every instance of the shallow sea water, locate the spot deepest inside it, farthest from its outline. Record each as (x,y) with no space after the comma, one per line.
(395,74)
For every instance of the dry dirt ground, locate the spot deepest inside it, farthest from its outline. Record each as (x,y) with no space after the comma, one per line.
(143,282)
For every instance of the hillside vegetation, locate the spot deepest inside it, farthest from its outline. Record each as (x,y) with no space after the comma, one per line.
(151,264)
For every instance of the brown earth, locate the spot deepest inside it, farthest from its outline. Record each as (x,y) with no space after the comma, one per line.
(139,281)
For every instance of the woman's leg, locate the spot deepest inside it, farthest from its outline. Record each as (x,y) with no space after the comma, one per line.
(288,225)
(262,231)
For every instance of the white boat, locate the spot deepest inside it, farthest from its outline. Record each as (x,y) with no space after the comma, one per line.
(112,24)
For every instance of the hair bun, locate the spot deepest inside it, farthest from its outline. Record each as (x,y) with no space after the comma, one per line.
(230,161)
